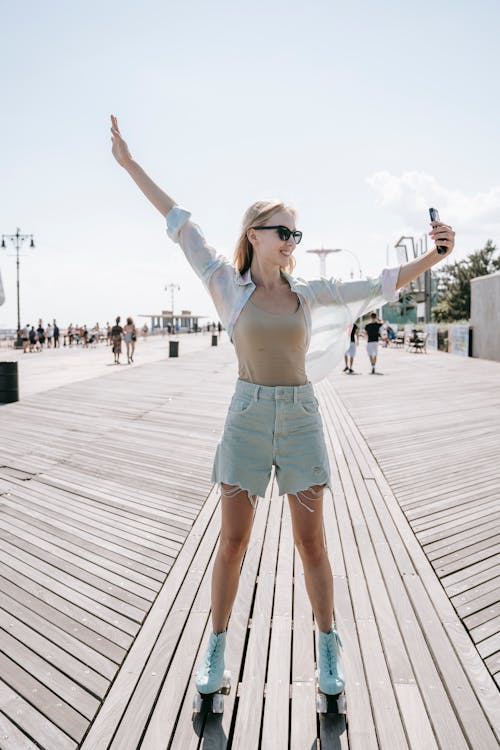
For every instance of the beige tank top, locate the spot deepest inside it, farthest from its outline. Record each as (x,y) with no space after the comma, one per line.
(271,348)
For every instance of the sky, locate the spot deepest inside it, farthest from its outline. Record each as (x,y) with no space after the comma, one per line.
(361,115)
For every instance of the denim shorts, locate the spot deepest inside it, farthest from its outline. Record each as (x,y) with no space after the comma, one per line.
(273,425)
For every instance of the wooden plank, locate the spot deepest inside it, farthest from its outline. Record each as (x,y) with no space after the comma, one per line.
(45,549)
(247,730)
(275,722)
(102,730)
(54,707)
(87,676)
(457,495)
(215,730)
(303,721)
(139,708)
(31,722)
(117,612)
(483,689)
(486,629)
(12,738)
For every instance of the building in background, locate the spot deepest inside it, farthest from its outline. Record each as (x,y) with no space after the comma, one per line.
(485,316)
(183,322)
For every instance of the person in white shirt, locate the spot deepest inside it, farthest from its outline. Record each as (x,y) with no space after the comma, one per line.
(50,334)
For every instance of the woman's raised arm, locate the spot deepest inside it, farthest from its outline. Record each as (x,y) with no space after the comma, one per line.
(158,198)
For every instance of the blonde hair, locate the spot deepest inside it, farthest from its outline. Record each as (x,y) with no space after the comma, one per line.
(257,215)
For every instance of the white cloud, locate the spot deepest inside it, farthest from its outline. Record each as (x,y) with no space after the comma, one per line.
(411,194)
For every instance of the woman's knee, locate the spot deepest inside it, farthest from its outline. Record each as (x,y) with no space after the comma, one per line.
(308,527)
(233,548)
(237,519)
(311,550)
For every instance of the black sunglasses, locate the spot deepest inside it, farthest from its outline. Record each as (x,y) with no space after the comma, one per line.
(284,233)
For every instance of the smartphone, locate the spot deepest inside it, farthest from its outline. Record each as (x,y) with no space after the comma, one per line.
(434,214)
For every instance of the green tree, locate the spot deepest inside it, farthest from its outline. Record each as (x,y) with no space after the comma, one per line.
(454,283)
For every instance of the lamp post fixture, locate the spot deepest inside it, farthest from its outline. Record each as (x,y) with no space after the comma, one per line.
(173,288)
(18,240)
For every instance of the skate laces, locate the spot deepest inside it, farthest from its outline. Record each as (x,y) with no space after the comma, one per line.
(331,648)
(337,637)
(212,653)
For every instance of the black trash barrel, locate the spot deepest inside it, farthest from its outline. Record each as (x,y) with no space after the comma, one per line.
(214,339)
(9,388)
(173,348)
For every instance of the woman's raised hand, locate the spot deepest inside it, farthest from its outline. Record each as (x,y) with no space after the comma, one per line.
(119,149)
(153,193)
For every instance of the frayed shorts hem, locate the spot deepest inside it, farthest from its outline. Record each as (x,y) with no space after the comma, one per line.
(299,494)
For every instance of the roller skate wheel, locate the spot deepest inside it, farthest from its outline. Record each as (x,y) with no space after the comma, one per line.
(321,703)
(218,704)
(341,704)
(197,703)
(226,682)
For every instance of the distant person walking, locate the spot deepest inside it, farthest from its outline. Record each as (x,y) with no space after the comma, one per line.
(94,336)
(130,335)
(50,335)
(351,352)
(25,336)
(33,337)
(41,334)
(116,339)
(372,331)
(108,335)
(56,334)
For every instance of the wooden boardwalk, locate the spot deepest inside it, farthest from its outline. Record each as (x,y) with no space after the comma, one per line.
(109,528)
(438,443)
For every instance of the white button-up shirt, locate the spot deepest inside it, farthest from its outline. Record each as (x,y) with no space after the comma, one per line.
(330,307)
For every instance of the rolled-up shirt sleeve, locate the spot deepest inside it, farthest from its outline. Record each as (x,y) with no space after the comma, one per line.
(388,281)
(202,257)
(176,218)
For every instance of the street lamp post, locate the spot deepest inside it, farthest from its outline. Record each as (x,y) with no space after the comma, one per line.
(173,288)
(18,240)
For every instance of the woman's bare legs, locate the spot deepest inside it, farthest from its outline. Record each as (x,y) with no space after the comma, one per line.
(236,527)
(237,520)
(309,540)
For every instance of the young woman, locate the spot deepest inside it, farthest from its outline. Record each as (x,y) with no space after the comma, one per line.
(116,339)
(288,333)
(130,336)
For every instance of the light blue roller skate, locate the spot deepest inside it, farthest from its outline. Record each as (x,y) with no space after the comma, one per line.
(212,681)
(330,682)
